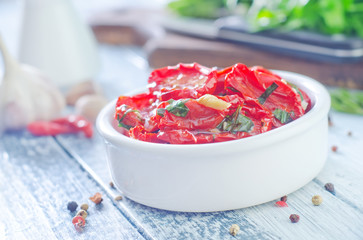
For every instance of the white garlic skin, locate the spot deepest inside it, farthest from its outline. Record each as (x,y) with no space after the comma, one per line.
(89,106)
(28,96)
(81,89)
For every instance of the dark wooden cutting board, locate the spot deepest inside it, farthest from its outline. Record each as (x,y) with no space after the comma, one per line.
(142,27)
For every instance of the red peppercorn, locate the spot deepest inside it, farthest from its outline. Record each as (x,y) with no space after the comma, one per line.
(78,222)
(281,204)
(284,198)
(334,148)
(97,198)
(294,218)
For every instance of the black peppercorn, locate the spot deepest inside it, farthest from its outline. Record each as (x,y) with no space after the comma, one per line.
(284,198)
(72,206)
(330,188)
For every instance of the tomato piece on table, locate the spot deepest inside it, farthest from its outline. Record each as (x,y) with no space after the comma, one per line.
(45,128)
(182,81)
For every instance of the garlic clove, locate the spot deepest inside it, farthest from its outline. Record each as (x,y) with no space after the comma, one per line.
(81,89)
(89,106)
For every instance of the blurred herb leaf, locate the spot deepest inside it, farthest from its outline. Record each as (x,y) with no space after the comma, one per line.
(322,16)
(348,101)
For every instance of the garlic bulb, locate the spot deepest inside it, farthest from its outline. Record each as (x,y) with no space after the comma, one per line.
(26,95)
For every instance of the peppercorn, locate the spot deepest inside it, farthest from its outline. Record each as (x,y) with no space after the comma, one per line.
(84,206)
(334,148)
(317,200)
(350,133)
(330,122)
(281,204)
(78,222)
(118,198)
(97,198)
(234,229)
(112,185)
(284,198)
(294,218)
(72,206)
(330,188)
(82,213)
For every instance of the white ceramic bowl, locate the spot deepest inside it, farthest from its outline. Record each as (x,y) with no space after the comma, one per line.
(226,175)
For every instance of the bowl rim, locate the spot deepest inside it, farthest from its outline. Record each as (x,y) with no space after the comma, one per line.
(318,94)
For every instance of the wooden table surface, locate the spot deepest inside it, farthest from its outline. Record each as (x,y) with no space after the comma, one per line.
(40,175)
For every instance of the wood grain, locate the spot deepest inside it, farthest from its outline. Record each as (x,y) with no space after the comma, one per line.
(337,218)
(37,180)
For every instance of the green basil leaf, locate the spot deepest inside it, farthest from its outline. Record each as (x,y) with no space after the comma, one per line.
(177,107)
(282,115)
(160,111)
(236,123)
(262,99)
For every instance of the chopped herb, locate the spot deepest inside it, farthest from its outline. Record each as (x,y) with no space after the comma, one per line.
(236,123)
(262,99)
(232,89)
(177,107)
(160,112)
(282,116)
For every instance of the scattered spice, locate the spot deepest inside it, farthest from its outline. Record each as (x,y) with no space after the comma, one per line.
(281,204)
(84,206)
(112,185)
(330,121)
(118,198)
(284,198)
(317,200)
(234,229)
(294,218)
(72,206)
(78,222)
(334,148)
(97,198)
(330,188)
(82,213)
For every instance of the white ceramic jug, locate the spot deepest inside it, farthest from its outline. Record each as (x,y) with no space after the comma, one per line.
(55,40)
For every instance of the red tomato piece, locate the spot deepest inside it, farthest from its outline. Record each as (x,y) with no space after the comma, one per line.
(221,78)
(140,133)
(43,128)
(198,117)
(261,117)
(177,136)
(77,123)
(182,81)
(253,83)
(136,110)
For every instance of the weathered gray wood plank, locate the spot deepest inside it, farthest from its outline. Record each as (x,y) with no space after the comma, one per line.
(37,179)
(338,217)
